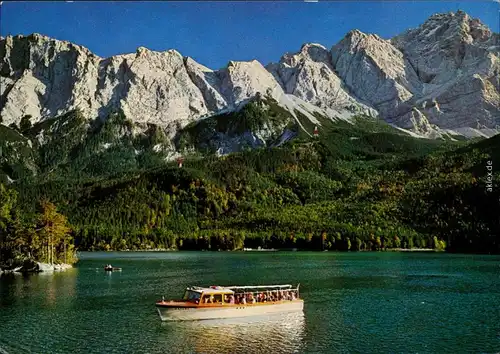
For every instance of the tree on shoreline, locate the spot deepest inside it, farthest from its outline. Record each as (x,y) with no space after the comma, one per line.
(45,237)
(53,235)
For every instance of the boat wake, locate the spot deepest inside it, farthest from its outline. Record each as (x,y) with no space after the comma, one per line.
(244,334)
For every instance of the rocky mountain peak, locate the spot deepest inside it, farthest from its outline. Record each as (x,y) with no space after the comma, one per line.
(308,51)
(315,52)
(355,33)
(376,72)
(356,40)
(41,40)
(446,43)
(141,51)
(310,75)
(35,37)
(450,28)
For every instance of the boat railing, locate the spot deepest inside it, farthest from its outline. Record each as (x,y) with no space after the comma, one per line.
(263,291)
(268,291)
(278,287)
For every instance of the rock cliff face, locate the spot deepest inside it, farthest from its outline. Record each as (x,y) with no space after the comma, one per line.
(44,78)
(310,75)
(376,72)
(443,75)
(456,58)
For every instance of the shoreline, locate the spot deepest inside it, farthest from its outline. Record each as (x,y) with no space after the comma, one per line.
(38,267)
(268,250)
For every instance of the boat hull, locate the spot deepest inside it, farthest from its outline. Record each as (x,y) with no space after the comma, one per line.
(227,311)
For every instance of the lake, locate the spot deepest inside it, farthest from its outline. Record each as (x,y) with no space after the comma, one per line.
(367,302)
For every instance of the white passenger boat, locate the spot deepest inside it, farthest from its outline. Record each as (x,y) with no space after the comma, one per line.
(216,302)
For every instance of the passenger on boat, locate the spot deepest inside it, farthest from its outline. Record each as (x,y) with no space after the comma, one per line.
(231,299)
(244,300)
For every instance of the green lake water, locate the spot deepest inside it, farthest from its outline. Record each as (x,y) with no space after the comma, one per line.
(354,303)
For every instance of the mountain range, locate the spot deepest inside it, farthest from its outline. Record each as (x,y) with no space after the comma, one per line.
(440,79)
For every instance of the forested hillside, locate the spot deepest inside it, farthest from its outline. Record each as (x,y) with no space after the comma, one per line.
(361,186)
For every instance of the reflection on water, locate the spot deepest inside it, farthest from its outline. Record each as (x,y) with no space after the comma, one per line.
(37,304)
(46,287)
(277,333)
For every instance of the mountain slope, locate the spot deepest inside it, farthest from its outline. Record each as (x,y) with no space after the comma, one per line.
(73,146)
(351,188)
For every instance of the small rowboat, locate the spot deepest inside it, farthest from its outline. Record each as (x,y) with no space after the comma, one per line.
(217,302)
(112,269)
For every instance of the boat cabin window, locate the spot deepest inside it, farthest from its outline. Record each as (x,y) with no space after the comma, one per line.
(212,299)
(192,296)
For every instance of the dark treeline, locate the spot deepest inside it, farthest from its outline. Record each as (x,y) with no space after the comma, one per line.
(306,195)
